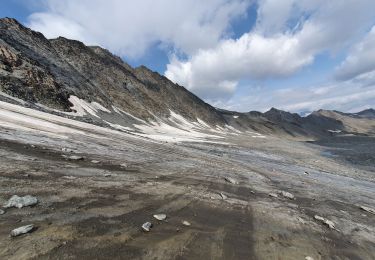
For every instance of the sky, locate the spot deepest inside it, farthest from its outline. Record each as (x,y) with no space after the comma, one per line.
(242,55)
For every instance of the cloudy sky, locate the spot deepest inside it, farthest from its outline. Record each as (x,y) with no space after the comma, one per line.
(296,55)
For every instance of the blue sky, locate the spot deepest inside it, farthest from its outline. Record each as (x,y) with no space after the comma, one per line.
(296,55)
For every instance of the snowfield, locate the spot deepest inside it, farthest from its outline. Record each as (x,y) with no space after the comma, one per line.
(176,128)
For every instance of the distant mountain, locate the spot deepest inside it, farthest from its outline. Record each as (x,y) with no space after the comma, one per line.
(305,113)
(69,79)
(367,113)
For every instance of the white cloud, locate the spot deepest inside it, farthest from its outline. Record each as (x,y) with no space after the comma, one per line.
(360,60)
(215,72)
(266,53)
(287,36)
(130,27)
(349,96)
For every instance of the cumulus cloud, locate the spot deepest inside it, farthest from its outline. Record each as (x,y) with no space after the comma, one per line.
(265,53)
(350,96)
(286,37)
(129,28)
(360,60)
(217,71)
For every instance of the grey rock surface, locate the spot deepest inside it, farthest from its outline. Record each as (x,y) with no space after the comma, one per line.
(231,180)
(147,226)
(287,195)
(20,202)
(160,216)
(368,209)
(325,221)
(21,230)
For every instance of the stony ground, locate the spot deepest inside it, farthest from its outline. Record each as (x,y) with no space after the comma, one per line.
(94,210)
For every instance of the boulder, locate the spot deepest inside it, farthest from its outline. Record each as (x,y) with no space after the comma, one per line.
(287,195)
(367,209)
(21,230)
(325,221)
(160,216)
(147,226)
(20,202)
(231,180)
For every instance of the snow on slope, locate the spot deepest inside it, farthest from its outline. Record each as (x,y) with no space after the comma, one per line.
(82,107)
(26,119)
(18,117)
(175,128)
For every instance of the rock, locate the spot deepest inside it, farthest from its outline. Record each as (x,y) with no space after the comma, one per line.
(2,212)
(287,195)
(307,173)
(223,196)
(20,202)
(186,223)
(107,175)
(76,158)
(123,165)
(160,216)
(367,209)
(67,150)
(95,161)
(252,192)
(70,177)
(231,180)
(309,258)
(21,230)
(301,220)
(327,222)
(274,195)
(147,226)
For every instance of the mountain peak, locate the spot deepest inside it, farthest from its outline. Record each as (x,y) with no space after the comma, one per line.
(9,21)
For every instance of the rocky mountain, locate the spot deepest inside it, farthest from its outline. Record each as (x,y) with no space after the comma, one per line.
(50,71)
(367,113)
(87,83)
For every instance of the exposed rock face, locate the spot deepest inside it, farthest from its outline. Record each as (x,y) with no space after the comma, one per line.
(49,71)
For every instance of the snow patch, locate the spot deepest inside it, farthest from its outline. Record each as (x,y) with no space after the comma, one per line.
(82,107)
(334,131)
(202,123)
(120,111)
(183,131)
(27,119)
(119,127)
(231,128)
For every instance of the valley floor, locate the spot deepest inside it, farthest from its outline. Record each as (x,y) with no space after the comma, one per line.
(94,208)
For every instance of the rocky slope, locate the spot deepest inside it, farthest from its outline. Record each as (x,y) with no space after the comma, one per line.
(318,124)
(67,78)
(50,71)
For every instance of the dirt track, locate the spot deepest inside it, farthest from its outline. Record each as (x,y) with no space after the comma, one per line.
(85,214)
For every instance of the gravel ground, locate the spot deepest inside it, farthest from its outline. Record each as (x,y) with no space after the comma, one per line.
(95,210)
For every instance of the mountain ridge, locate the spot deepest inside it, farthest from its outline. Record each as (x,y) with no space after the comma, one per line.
(62,73)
